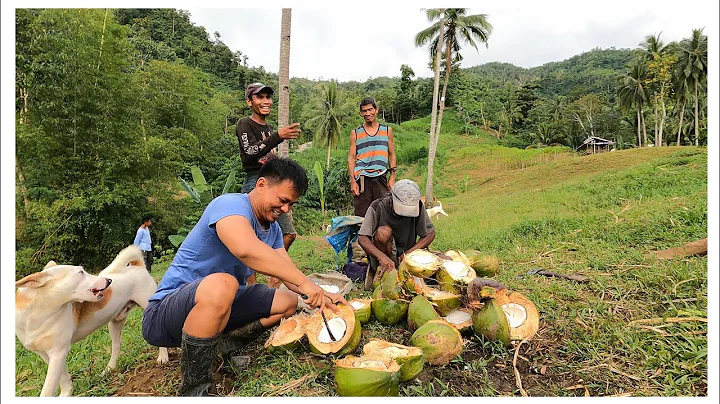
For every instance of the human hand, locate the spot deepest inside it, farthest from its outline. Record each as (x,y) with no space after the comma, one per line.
(336,298)
(314,295)
(385,265)
(354,188)
(290,132)
(391,182)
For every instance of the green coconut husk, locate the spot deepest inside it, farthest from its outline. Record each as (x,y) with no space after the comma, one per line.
(420,263)
(444,302)
(490,322)
(439,340)
(420,311)
(362,308)
(388,311)
(484,265)
(410,359)
(366,376)
(391,286)
(454,276)
(288,335)
(347,340)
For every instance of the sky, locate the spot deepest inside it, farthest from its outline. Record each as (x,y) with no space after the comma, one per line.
(357,42)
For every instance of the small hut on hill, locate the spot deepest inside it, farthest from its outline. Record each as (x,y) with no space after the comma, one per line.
(594,144)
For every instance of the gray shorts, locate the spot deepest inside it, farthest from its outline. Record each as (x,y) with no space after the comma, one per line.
(163,320)
(284,220)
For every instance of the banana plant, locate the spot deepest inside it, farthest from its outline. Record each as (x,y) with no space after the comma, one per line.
(201,192)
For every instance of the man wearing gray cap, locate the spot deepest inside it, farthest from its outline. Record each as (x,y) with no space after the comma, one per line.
(391,228)
(257,140)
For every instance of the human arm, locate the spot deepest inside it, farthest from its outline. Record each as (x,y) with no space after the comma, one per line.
(333,297)
(138,237)
(392,158)
(236,233)
(385,263)
(354,188)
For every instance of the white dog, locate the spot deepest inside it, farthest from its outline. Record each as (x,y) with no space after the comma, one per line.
(63,304)
(436,211)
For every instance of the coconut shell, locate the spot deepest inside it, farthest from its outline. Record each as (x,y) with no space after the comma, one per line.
(483,264)
(439,340)
(288,335)
(366,376)
(388,311)
(461,319)
(362,308)
(444,302)
(410,358)
(346,343)
(522,315)
(391,286)
(454,276)
(420,311)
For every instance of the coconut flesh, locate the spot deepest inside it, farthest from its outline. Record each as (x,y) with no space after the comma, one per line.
(330,288)
(457,270)
(515,314)
(337,326)
(357,304)
(458,317)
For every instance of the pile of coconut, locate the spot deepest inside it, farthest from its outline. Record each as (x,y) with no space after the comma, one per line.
(440,299)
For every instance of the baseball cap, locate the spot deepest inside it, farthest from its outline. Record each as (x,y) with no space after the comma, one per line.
(255,88)
(406,198)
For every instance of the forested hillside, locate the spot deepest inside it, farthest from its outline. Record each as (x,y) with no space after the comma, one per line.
(113,105)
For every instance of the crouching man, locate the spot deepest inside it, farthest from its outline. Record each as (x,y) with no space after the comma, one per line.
(391,228)
(203,296)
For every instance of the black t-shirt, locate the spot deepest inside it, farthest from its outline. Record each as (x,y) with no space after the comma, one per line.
(256,144)
(406,230)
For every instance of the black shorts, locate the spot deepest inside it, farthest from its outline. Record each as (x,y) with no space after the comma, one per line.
(163,320)
(373,188)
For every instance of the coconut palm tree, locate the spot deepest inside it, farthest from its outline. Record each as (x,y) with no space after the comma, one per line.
(632,93)
(692,63)
(326,121)
(660,59)
(454,26)
(284,77)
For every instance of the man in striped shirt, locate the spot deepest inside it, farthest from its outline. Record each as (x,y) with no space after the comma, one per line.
(371,156)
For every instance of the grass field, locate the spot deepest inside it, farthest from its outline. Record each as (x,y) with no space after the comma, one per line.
(638,328)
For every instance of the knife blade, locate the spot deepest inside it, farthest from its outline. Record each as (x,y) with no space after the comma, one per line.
(332,337)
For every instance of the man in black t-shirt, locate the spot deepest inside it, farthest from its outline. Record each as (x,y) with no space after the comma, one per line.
(391,228)
(257,140)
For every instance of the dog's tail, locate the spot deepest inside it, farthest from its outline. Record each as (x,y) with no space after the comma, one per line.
(131,255)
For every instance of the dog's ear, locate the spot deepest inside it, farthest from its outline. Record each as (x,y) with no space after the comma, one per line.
(36,280)
(50,264)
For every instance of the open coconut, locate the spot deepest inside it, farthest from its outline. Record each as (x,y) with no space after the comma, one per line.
(420,263)
(454,276)
(439,340)
(388,311)
(362,309)
(288,335)
(332,282)
(483,264)
(410,358)
(345,328)
(420,311)
(461,319)
(458,256)
(504,316)
(366,376)
(444,302)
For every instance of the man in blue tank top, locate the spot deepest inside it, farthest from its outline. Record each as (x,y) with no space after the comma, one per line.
(204,295)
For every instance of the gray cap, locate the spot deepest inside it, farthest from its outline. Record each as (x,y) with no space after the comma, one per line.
(255,88)
(406,198)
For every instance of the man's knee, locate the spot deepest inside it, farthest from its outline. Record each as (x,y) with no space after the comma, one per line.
(218,290)
(383,235)
(285,303)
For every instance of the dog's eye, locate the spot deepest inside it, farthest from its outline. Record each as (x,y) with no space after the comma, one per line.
(81,272)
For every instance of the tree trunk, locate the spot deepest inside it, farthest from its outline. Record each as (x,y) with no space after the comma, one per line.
(21,186)
(682,113)
(433,116)
(102,40)
(284,78)
(642,115)
(657,121)
(697,118)
(327,164)
(438,125)
(639,135)
(664,114)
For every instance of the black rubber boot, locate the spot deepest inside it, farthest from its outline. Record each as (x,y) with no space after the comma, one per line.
(232,341)
(195,363)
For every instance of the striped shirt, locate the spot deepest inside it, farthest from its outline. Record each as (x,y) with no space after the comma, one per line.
(371,153)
